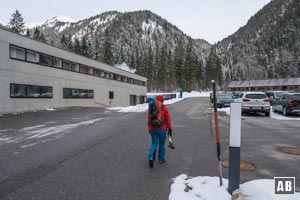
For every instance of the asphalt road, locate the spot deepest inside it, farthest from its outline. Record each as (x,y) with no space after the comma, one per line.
(96,154)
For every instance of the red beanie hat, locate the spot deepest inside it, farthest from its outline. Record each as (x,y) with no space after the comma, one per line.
(160,98)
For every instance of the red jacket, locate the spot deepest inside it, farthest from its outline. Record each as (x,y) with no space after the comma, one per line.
(167,117)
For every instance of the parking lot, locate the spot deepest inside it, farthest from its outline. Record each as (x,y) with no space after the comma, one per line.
(93,153)
(262,141)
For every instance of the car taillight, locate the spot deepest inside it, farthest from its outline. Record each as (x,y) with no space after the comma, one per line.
(267,100)
(246,100)
(292,102)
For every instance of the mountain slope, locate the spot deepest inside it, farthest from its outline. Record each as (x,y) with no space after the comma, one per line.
(140,39)
(267,46)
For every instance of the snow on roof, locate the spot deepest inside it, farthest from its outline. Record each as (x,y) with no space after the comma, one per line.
(125,67)
(1,22)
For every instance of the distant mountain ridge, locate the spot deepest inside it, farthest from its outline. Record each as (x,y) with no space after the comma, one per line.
(51,22)
(268,46)
(139,22)
(133,38)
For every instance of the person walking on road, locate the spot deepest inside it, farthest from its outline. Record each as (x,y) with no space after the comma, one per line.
(159,126)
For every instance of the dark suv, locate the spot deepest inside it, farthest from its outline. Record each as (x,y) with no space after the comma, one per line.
(274,95)
(288,103)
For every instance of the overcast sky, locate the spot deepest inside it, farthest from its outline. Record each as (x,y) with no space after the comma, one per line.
(211,20)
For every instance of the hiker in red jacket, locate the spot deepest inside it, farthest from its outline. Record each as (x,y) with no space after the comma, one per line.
(159,132)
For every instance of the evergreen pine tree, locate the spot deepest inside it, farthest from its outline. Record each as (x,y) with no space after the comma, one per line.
(90,50)
(42,38)
(36,33)
(70,42)
(97,50)
(178,63)
(213,69)
(77,47)
(150,69)
(27,32)
(162,69)
(170,76)
(189,68)
(107,54)
(63,41)
(84,46)
(16,23)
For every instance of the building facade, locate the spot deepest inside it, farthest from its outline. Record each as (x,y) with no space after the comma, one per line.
(37,76)
(288,84)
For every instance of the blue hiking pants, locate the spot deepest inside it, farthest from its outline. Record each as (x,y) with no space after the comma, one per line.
(158,138)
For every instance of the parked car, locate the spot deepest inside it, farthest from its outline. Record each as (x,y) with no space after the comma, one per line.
(274,95)
(287,104)
(254,102)
(224,100)
(219,93)
(235,94)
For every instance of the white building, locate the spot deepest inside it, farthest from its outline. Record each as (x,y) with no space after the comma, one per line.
(36,76)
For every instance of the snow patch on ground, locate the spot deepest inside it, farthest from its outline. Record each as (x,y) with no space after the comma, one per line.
(208,188)
(41,131)
(273,115)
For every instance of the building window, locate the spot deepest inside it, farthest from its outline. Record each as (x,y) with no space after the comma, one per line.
(115,76)
(57,62)
(17,91)
(32,56)
(33,91)
(45,60)
(78,93)
(90,70)
(132,100)
(102,74)
(142,99)
(17,53)
(119,77)
(75,67)
(124,79)
(111,95)
(30,91)
(46,92)
(96,72)
(66,65)
(83,69)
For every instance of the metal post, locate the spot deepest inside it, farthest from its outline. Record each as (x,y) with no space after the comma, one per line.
(234,147)
(217,131)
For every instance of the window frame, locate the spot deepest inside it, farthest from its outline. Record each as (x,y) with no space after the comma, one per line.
(89,93)
(17,47)
(59,66)
(26,91)
(111,95)
(45,55)
(75,67)
(37,59)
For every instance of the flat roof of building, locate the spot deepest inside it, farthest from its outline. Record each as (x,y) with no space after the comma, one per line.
(266,82)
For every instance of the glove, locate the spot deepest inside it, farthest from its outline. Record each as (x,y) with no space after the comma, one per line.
(170,132)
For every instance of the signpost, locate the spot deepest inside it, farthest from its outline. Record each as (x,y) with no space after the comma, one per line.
(217,131)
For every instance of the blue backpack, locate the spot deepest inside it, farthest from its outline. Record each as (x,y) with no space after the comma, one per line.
(155,111)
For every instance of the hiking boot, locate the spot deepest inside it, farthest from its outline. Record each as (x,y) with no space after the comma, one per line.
(161,161)
(151,163)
